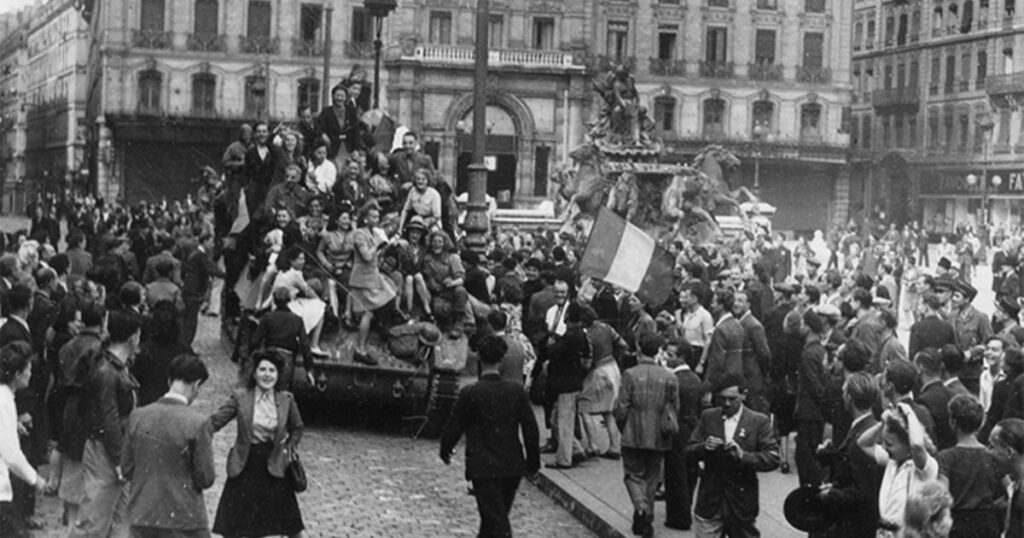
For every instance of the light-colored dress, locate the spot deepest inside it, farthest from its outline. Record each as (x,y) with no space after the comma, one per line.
(367,287)
(304,302)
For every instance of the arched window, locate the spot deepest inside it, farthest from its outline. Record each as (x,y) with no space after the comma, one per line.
(967,20)
(810,121)
(714,117)
(150,87)
(309,94)
(664,113)
(204,92)
(256,96)
(763,116)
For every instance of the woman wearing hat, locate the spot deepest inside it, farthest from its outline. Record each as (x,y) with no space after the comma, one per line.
(368,289)
(411,253)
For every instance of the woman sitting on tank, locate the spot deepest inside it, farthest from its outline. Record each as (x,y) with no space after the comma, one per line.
(410,254)
(335,253)
(445,276)
(306,301)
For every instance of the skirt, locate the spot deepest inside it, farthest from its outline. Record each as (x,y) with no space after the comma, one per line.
(370,299)
(257,503)
(72,481)
(311,310)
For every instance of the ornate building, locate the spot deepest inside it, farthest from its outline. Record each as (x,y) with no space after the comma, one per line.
(171,80)
(13,57)
(937,121)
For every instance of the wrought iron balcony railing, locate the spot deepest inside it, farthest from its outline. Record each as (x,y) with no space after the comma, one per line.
(207,42)
(1005,84)
(151,39)
(260,44)
(763,71)
(307,47)
(716,69)
(814,75)
(668,67)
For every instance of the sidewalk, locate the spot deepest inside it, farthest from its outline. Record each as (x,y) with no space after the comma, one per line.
(594,492)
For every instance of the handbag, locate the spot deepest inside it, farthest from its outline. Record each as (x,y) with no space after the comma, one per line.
(669,420)
(295,473)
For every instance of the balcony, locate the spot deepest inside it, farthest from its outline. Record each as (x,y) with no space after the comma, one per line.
(1010,83)
(716,69)
(764,71)
(360,50)
(813,75)
(260,44)
(673,68)
(151,39)
(897,98)
(207,42)
(456,55)
(604,62)
(307,47)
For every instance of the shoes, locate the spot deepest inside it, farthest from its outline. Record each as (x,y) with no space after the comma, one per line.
(612,456)
(678,526)
(363,357)
(557,465)
(318,351)
(784,467)
(642,524)
(549,448)
(638,523)
(578,459)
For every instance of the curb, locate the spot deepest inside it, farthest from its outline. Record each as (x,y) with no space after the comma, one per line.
(579,503)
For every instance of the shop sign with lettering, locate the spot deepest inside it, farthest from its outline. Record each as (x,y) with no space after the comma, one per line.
(956,184)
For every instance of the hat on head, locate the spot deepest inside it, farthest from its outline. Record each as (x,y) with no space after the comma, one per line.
(813,261)
(785,287)
(943,284)
(804,511)
(969,292)
(945,264)
(430,335)
(1008,307)
(828,310)
(416,222)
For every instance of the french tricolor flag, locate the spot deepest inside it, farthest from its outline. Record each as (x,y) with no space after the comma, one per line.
(623,255)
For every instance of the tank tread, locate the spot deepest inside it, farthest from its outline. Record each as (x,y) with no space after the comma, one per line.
(441,396)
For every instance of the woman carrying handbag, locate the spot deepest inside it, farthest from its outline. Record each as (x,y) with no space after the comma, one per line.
(259,498)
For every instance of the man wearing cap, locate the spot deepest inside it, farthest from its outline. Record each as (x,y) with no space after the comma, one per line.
(931,330)
(971,326)
(1005,316)
(735,443)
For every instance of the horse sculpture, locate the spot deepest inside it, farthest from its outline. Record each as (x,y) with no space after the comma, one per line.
(586,187)
(714,161)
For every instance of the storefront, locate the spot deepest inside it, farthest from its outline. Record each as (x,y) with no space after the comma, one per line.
(951,198)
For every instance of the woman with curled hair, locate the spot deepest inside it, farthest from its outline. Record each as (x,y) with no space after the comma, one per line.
(928,513)
(973,473)
(1008,442)
(15,374)
(368,289)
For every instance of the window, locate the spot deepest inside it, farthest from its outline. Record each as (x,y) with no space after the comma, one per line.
(898,130)
(496,31)
(947,123)
(912,131)
(150,86)
(912,75)
(1007,59)
(206,17)
(763,114)
(664,113)
(152,16)
(204,88)
(937,22)
(965,71)
(933,129)
(814,6)
(870,41)
(441,27)
(887,81)
(617,42)
(766,4)
(541,160)
(982,69)
(979,140)
(858,35)
(543,33)
(915,26)
(813,50)
(309,94)
(714,117)
(890,30)
(362,26)
(667,38)
(259,18)
(310,19)
(718,3)
(886,122)
(715,44)
(936,75)
(901,32)
(810,121)
(764,47)
(967,20)
(255,96)
(855,132)
(865,132)
(1005,116)
(965,127)
(950,73)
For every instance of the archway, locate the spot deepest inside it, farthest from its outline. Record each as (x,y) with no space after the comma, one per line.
(892,189)
(502,157)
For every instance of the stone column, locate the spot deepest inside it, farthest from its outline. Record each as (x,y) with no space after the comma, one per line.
(839,205)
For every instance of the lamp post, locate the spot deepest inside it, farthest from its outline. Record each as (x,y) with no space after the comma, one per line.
(985,123)
(379,10)
(760,133)
(476,225)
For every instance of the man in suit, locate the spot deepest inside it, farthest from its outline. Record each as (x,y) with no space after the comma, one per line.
(163,288)
(681,471)
(898,383)
(260,164)
(648,392)
(169,444)
(196,274)
(724,355)
(851,493)
(492,413)
(931,330)
(81,259)
(1010,387)
(972,327)
(565,366)
(151,272)
(935,396)
(865,326)
(735,443)
(811,398)
(8,267)
(408,161)
(954,371)
(756,354)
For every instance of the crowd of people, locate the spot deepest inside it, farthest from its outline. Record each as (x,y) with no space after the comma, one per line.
(320,230)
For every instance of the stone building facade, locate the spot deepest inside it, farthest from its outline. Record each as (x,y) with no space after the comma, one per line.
(937,119)
(13,56)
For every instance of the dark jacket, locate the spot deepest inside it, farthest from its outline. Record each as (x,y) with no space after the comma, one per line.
(108,398)
(492,412)
(565,362)
(725,352)
(77,360)
(153,367)
(936,396)
(241,405)
(855,481)
(259,174)
(196,274)
(729,487)
(931,331)
(338,133)
(756,359)
(168,459)
(812,383)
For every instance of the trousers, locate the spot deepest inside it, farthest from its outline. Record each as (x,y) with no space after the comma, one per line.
(681,473)
(103,513)
(808,437)
(565,428)
(719,528)
(642,468)
(494,497)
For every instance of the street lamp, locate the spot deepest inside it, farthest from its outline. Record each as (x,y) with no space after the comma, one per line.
(760,134)
(986,124)
(476,224)
(379,10)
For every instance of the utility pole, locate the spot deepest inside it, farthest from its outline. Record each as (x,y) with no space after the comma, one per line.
(325,88)
(476,225)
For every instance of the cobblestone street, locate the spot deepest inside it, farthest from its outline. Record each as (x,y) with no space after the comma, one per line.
(365,480)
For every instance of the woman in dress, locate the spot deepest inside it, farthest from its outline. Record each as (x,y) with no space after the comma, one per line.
(15,373)
(972,472)
(305,300)
(335,253)
(258,500)
(1008,442)
(368,289)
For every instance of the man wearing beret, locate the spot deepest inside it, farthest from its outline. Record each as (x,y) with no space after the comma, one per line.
(1005,317)
(972,327)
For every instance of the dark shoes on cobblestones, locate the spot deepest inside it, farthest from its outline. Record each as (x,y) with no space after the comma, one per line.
(642,524)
